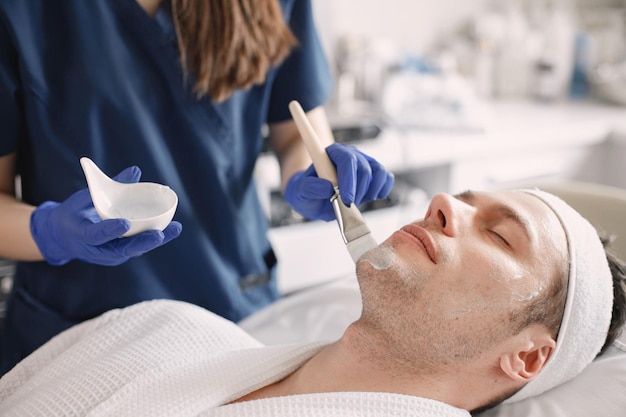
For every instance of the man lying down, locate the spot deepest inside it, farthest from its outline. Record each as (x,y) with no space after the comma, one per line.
(461,311)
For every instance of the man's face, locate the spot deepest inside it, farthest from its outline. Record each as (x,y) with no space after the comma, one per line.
(448,286)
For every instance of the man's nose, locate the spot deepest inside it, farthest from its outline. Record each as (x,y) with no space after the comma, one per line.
(449,214)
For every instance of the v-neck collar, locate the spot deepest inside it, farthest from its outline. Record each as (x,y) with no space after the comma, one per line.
(164,19)
(161,21)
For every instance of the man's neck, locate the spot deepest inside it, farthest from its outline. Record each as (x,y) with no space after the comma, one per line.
(340,367)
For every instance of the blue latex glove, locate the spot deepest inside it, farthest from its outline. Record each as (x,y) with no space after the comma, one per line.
(73,230)
(360,177)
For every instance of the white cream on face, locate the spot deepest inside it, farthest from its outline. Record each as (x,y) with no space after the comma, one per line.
(381,257)
(517,284)
(506,287)
(527,295)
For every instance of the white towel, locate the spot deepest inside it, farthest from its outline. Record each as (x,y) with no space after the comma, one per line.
(172,359)
(588,307)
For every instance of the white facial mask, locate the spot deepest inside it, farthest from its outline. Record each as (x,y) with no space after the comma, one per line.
(381,257)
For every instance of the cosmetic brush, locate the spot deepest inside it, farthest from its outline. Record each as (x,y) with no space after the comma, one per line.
(354,231)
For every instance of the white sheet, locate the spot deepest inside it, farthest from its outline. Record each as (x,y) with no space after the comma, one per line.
(318,313)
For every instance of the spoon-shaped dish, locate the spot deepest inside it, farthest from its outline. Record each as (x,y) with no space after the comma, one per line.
(146,205)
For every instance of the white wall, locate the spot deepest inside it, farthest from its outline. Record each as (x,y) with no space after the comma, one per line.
(412,24)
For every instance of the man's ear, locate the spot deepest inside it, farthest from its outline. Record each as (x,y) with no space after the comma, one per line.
(529,353)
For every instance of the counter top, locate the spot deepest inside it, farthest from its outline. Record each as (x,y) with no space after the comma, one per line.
(510,126)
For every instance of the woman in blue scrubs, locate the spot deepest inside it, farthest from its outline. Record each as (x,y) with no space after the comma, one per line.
(175,92)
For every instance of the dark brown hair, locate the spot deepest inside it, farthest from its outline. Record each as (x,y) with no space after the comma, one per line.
(618,270)
(230,44)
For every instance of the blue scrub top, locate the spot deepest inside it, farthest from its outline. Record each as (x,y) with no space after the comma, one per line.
(102,79)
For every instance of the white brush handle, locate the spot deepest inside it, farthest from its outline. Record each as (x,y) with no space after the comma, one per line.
(322,163)
(354,231)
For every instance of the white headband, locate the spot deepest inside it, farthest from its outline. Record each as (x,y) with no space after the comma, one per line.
(588,307)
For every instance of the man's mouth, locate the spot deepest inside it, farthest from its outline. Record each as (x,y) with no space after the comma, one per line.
(424,239)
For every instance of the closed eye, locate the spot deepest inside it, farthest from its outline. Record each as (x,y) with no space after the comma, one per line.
(497,236)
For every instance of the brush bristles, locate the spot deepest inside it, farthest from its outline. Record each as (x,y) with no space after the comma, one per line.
(359,246)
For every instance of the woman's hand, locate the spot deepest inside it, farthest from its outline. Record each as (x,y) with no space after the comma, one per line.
(361,179)
(73,230)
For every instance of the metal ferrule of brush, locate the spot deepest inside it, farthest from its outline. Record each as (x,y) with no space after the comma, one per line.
(336,202)
(349,218)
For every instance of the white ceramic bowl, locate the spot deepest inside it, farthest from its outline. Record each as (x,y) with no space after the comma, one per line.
(146,205)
